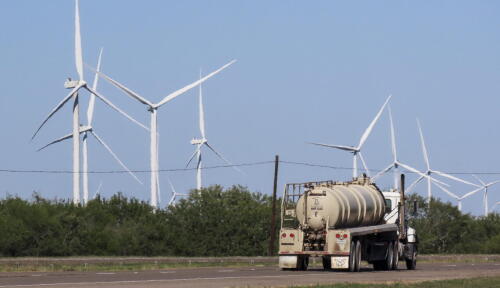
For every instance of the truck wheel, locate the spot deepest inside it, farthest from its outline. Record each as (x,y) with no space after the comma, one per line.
(389,260)
(395,261)
(305,263)
(357,258)
(352,257)
(302,263)
(411,263)
(327,263)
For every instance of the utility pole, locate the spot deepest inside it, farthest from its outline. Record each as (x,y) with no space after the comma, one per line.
(402,207)
(273,216)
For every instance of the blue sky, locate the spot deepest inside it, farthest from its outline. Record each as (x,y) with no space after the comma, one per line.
(305,72)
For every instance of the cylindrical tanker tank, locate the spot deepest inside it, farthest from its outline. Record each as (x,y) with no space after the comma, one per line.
(341,205)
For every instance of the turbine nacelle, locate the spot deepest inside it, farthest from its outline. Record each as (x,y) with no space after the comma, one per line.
(195,141)
(70,84)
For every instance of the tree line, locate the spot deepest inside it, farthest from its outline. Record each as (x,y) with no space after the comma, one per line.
(215,222)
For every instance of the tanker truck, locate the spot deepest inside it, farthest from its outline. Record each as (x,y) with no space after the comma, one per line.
(345,223)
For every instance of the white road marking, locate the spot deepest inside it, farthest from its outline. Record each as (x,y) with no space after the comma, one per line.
(452,265)
(105,273)
(226,271)
(159,280)
(36,275)
(497,264)
(167,272)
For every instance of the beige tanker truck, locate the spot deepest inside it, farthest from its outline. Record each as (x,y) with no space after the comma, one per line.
(344,223)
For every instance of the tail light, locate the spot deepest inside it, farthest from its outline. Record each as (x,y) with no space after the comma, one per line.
(283,235)
(292,235)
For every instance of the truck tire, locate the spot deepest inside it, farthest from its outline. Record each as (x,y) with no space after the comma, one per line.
(388,263)
(303,263)
(352,257)
(357,258)
(327,263)
(389,259)
(395,261)
(411,263)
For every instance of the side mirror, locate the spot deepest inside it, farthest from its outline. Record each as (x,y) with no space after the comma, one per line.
(388,209)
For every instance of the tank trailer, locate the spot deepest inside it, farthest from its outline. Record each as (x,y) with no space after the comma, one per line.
(344,223)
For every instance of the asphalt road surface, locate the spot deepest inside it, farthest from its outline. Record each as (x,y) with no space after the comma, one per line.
(243,276)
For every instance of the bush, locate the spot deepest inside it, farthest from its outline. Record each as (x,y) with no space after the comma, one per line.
(215,222)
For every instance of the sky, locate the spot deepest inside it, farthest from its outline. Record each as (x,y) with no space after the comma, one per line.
(306,71)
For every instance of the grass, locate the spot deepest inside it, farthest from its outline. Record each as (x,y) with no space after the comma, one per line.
(486,282)
(156,264)
(83,267)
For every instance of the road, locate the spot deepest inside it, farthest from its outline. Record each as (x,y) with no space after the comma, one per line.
(242,276)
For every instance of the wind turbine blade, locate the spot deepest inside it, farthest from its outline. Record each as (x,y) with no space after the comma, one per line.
(90,109)
(202,113)
(478,179)
(115,156)
(173,192)
(193,155)
(69,136)
(414,183)
(471,193)
(122,87)
(171,200)
(58,106)
(65,137)
(98,190)
(455,178)
(424,148)
(364,164)
(447,191)
(393,137)
(171,185)
(492,183)
(192,85)
(411,169)
(372,124)
(115,108)
(78,42)
(341,147)
(223,159)
(387,169)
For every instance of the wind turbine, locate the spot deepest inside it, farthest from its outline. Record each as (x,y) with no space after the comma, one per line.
(430,171)
(394,166)
(484,186)
(75,86)
(89,129)
(174,194)
(203,142)
(495,205)
(356,150)
(153,110)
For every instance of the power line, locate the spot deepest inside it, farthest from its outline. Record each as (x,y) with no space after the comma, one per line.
(134,171)
(377,170)
(247,164)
